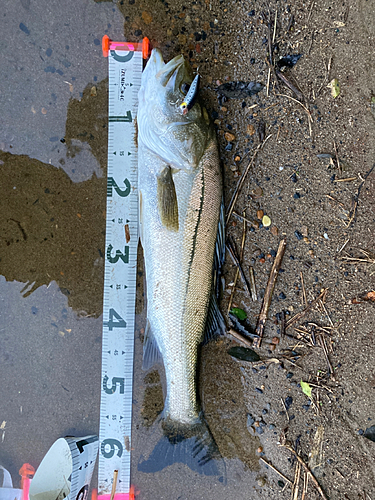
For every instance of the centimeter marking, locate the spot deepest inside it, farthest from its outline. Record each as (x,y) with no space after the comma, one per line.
(120,273)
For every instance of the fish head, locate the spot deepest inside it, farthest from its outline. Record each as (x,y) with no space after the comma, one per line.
(179,138)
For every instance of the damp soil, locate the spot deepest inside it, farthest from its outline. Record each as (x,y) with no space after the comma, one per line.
(52,230)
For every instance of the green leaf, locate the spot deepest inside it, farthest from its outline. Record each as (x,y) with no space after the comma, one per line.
(240,313)
(244,354)
(306,389)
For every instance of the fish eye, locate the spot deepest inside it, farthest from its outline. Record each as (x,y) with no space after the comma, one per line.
(185,88)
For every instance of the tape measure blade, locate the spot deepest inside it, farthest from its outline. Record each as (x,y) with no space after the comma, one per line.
(120,274)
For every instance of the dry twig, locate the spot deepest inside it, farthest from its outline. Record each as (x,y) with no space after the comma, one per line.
(278,472)
(242,179)
(240,337)
(308,471)
(303,313)
(241,257)
(268,293)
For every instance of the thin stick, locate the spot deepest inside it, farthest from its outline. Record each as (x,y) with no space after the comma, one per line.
(337,157)
(241,256)
(240,337)
(344,245)
(334,199)
(347,179)
(308,18)
(278,472)
(241,217)
(296,482)
(114,484)
(294,89)
(303,290)
(242,179)
(268,82)
(274,29)
(286,411)
(324,346)
(237,263)
(253,288)
(304,107)
(303,313)
(268,294)
(316,484)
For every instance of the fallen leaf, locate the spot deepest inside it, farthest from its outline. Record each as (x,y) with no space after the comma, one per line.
(243,353)
(334,85)
(306,389)
(239,313)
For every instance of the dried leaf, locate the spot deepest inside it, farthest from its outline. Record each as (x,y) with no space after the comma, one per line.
(243,353)
(306,389)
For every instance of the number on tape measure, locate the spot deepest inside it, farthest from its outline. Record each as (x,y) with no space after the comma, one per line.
(113,444)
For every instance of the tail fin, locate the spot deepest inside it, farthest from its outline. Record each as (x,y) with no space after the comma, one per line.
(191,445)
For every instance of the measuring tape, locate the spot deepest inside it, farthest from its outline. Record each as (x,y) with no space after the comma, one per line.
(125,70)
(65,471)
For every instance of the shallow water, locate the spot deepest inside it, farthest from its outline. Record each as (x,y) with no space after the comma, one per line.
(53,154)
(53,142)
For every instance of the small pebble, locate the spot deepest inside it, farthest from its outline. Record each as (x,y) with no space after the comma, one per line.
(259,449)
(273,253)
(282,296)
(272,347)
(259,430)
(289,375)
(274,231)
(229,137)
(271,427)
(281,484)
(275,340)
(250,130)
(264,411)
(296,196)
(288,402)
(361,432)
(250,420)
(326,236)
(229,147)
(259,391)
(298,235)
(260,214)
(294,178)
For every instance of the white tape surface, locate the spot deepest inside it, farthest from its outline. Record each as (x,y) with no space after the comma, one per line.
(125,70)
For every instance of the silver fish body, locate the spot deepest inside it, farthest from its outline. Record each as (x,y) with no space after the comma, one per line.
(180,192)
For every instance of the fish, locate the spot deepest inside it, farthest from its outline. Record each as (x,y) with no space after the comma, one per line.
(181,226)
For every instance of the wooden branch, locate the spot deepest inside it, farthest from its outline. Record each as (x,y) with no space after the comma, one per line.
(316,484)
(268,294)
(303,313)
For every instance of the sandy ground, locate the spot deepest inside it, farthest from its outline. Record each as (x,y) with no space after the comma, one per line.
(53,159)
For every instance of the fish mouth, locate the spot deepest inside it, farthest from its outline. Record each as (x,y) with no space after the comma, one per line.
(174,73)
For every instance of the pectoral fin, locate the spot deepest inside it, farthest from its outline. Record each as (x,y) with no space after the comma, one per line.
(167,200)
